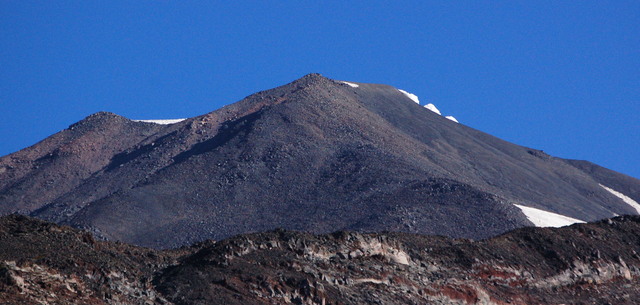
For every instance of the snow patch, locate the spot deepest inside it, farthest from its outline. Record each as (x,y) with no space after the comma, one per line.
(433,108)
(634,204)
(429,106)
(161,122)
(351,84)
(542,218)
(412,96)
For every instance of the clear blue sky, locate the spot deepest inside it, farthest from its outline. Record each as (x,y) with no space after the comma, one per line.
(562,76)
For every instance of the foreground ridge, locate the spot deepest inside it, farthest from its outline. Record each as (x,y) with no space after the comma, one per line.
(583,263)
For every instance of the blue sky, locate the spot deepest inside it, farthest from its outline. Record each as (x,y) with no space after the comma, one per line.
(561,76)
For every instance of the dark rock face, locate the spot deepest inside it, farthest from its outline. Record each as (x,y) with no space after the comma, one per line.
(596,263)
(314,155)
(581,264)
(43,263)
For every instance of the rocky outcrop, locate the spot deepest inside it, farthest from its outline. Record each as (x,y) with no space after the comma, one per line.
(36,284)
(591,263)
(43,263)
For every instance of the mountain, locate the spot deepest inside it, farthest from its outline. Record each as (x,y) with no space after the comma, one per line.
(595,263)
(314,155)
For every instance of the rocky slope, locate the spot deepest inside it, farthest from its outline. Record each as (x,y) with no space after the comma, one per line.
(43,263)
(315,155)
(43,172)
(596,263)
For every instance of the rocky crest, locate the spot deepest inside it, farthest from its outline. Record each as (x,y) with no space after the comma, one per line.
(596,263)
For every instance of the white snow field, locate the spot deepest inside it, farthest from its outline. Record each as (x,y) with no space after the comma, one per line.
(542,218)
(433,108)
(412,96)
(634,204)
(429,106)
(450,117)
(161,122)
(351,84)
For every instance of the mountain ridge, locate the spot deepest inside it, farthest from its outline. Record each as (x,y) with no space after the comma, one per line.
(316,155)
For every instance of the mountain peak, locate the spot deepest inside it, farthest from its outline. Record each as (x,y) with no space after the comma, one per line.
(103,114)
(97,118)
(314,154)
(311,78)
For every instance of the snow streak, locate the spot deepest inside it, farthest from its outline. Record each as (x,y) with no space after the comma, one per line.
(542,218)
(634,204)
(161,122)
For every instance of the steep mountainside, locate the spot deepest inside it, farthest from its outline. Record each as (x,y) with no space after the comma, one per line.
(596,263)
(315,155)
